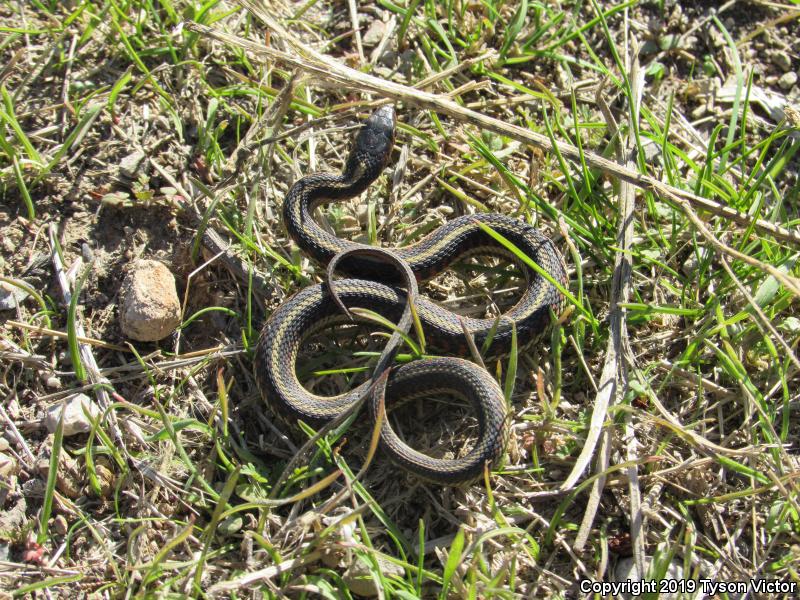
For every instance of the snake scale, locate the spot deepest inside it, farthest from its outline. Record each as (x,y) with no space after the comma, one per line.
(371,285)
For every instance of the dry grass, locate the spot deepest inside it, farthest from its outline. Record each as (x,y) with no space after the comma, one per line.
(654,141)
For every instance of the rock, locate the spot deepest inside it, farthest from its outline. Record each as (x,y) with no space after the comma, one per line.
(782,61)
(11,296)
(33,489)
(787,80)
(389,59)
(652,151)
(374,34)
(358,579)
(60,525)
(150,309)
(129,166)
(53,383)
(75,421)
(690,265)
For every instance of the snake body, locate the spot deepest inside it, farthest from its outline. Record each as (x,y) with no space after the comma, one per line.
(312,307)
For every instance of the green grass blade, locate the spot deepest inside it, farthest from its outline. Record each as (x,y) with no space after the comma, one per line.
(52,477)
(454,558)
(72,326)
(511,369)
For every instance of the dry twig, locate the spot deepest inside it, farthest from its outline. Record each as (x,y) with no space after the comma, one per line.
(614,377)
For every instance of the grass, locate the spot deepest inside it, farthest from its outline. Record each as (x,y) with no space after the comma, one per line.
(182,487)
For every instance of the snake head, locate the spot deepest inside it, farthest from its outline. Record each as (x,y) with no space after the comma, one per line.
(373,146)
(383,120)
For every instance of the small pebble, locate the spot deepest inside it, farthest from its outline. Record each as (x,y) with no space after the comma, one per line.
(60,525)
(11,296)
(690,265)
(374,34)
(75,421)
(782,61)
(129,166)
(787,80)
(53,383)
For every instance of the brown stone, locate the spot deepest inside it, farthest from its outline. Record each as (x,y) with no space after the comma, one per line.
(150,309)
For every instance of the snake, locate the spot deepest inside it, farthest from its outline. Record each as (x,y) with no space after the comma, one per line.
(389,292)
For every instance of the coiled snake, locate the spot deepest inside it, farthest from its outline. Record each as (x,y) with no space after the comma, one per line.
(277,350)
